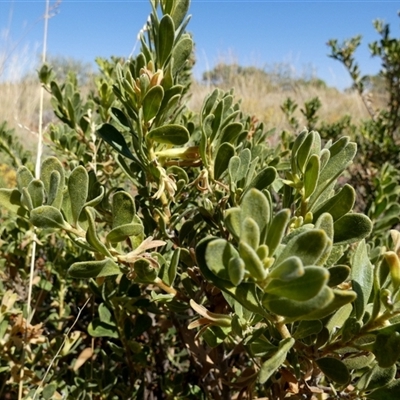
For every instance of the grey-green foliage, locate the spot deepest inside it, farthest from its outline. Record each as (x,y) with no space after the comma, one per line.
(287,258)
(189,221)
(380,134)
(12,148)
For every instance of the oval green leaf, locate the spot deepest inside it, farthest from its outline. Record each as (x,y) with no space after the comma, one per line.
(303,288)
(47,217)
(224,154)
(165,39)
(272,365)
(334,369)
(170,134)
(93,269)
(152,102)
(114,138)
(122,232)
(351,228)
(295,309)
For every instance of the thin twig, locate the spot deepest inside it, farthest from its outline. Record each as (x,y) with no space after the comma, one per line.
(60,348)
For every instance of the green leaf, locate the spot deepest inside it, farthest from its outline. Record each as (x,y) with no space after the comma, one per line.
(230,133)
(170,134)
(114,138)
(340,299)
(152,102)
(351,327)
(294,309)
(203,149)
(36,191)
(389,392)
(255,205)
(338,274)
(272,365)
(263,179)
(296,145)
(245,160)
(351,228)
(387,349)
(310,146)
(93,269)
(207,126)
(307,328)
(308,246)
(55,193)
(338,146)
(173,267)
(247,294)
(232,220)
(224,154)
(11,200)
(338,319)
(303,288)
(338,205)
(122,232)
(252,262)
(91,234)
(277,230)
(181,53)
(290,269)
(24,178)
(120,116)
(47,217)
(165,39)
(100,329)
(142,323)
(250,233)
(49,165)
(311,175)
(260,347)
(377,377)
(145,271)
(236,270)
(233,168)
(179,11)
(49,390)
(105,315)
(55,90)
(26,200)
(362,277)
(334,369)
(78,186)
(359,361)
(325,222)
(214,336)
(336,164)
(123,209)
(217,257)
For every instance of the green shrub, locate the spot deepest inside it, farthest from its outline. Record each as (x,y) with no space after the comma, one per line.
(182,257)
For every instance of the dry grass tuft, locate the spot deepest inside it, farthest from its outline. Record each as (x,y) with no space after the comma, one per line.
(264,100)
(19,88)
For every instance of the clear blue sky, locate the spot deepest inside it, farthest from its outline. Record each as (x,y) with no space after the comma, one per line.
(254,32)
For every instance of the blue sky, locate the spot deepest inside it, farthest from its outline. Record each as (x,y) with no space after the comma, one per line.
(250,32)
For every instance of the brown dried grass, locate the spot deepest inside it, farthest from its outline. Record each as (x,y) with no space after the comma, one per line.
(264,101)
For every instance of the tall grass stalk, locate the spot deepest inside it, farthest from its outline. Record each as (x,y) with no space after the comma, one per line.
(29,312)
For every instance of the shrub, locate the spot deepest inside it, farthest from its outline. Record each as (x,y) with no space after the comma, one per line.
(180,256)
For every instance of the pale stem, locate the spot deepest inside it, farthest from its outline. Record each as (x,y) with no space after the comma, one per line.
(158,282)
(29,313)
